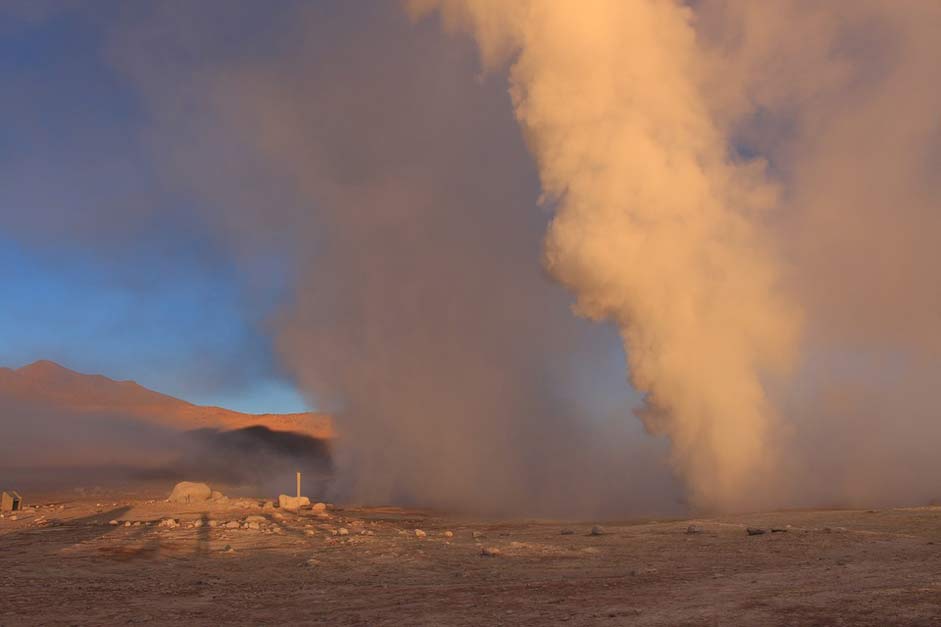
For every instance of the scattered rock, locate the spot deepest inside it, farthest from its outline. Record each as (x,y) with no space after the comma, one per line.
(269,505)
(127,523)
(568,532)
(190,492)
(489,551)
(278,516)
(292,503)
(170,523)
(255,518)
(198,523)
(319,507)
(228,549)
(312,562)
(778,530)
(448,534)
(215,495)
(343,531)
(420,534)
(597,531)
(232,524)
(253,525)
(309,532)
(755,531)
(213,523)
(694,529)
(112,522)
(478,534)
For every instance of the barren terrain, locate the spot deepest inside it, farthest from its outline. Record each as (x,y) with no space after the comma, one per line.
(105,558)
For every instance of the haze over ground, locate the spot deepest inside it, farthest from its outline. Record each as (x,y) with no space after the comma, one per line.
(461,229)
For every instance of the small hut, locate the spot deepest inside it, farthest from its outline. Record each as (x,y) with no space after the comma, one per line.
(10,501)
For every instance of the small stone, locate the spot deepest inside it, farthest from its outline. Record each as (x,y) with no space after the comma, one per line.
(448,534)
(489,551)
(198,523)
(213,523)
(216,495)
(309,532)
(755,531)
(312,562)
(113,523)
(692,529)
(170,523)
(568,532)
(478,534)
(228,549)
(253,525)
(597,531)
(319,507)
(232,524)
(255,518)
(420,534)
(343,531)
(778,530)
(127,523)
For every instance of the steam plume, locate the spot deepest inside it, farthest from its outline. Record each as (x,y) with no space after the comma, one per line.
(655,226)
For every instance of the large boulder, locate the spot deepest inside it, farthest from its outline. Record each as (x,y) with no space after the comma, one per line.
(190,492)
(293,503)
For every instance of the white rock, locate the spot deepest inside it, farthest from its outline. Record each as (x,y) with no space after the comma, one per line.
(292,503)
(190,492)
(343,531)
(420,534)
(448,534)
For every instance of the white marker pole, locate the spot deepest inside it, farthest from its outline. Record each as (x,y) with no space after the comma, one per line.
(298,484)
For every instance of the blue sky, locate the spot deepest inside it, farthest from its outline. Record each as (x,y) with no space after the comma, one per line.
(143,294)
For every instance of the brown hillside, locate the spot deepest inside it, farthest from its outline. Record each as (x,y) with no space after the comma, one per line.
(45,383)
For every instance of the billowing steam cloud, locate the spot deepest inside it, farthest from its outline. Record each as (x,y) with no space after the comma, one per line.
(723,173)
(656,227)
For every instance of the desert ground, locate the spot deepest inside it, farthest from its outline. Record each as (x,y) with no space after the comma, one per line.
(125,557)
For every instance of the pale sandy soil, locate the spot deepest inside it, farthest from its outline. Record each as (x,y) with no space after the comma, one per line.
(69,566)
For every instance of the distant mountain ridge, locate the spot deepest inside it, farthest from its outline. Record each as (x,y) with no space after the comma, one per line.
(48,384)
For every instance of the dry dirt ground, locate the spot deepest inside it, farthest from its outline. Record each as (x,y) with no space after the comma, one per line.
(63,563)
